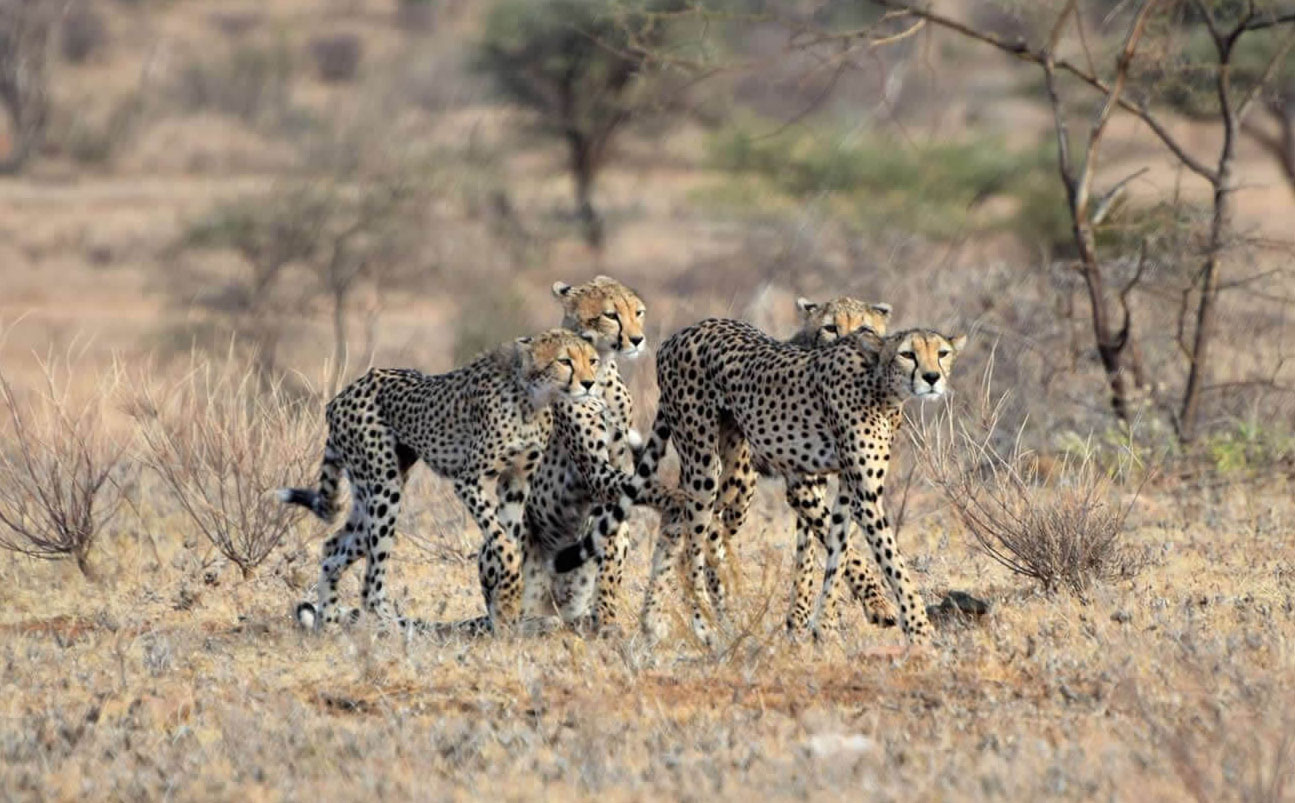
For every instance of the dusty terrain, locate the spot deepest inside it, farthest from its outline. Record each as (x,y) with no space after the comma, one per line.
(171,675)
(163,681)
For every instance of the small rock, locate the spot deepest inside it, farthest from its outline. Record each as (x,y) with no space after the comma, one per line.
(965,604)
(957,606)
(1123,617)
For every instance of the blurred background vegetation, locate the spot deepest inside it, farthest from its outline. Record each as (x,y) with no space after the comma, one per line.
(398,181)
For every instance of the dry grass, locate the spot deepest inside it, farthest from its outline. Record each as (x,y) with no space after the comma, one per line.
(221,440)
(1059,522)
(176,676)
(130,694)
(59,479)
(172,678)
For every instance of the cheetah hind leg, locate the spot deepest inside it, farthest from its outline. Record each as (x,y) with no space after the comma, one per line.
(339,552)
(664,555)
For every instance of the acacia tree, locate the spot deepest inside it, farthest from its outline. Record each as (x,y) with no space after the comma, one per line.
(25,29)
(338,234)
(579,65)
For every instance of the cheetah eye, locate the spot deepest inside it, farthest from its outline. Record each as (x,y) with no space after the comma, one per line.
(944,353)
(612,315)
(830,328)
(641,313)
(593,362)
(565,361)
(908,355)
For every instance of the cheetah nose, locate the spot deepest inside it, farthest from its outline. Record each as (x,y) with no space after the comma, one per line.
(588,383)
(636,340)
(931,377)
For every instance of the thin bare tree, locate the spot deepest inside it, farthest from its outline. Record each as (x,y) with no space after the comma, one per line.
(26,27)
(1234,106)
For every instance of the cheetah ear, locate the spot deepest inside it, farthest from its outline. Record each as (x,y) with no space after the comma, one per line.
(882,309)
(561,289)
(806,306)
(958,342)
(603,279)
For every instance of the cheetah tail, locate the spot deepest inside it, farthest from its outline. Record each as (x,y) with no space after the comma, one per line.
(323,500)
(649,456)
(578,554)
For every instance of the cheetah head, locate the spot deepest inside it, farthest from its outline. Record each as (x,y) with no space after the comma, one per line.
(827,321)
(920,361)
(606,311)
(558,361)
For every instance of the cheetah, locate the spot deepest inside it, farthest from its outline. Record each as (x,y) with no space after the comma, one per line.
(564,502)
(821,323)
(579,487)
(731,394)
(489,419)
(826,322)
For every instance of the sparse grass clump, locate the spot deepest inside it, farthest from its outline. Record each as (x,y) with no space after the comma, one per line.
(1060,523)
(222,440)
(250,82)
(337,57)
(58,483)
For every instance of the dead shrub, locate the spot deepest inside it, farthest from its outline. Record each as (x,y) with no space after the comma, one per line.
(222,440)
(1054,521)
(58,487)
(416,15)
(250,82)
(337,57)
(83,33)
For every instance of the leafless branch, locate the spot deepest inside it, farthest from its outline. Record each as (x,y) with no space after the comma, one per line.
(1107,200)
(1022,50)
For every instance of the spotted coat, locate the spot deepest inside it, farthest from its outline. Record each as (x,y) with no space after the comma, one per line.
(491,419)
(726,387)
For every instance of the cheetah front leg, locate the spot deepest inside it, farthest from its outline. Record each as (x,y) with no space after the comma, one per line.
(807,497)
(499,563)
(861,490)
(865,490)
(609,523)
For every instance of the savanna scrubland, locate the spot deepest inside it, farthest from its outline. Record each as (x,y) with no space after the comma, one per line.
(231,209)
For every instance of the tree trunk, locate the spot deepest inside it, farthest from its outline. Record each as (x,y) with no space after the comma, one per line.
(1220,225)
(1110,347)
(1220,230)
(27,118)
(582,174)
